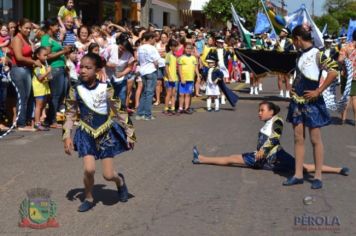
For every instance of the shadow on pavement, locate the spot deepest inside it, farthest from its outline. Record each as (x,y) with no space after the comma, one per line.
(108,197)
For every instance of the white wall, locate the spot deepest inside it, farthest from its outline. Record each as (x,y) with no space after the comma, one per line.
(158,15)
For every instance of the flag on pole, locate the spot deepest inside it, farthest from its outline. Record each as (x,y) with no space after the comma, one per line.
(302,16)
(325,29)
(245,34)
(262,24)
(351,29)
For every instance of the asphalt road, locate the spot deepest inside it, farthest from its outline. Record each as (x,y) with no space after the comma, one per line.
(170,195)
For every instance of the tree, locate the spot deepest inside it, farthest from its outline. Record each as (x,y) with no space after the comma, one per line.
(341,10)
(220,10)
(333,24)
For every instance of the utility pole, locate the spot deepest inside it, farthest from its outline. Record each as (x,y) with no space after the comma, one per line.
(313,8)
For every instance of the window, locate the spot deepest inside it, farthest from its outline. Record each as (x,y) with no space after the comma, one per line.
(166,18)
(6,10)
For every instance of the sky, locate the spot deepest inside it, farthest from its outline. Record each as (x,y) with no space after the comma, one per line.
(293,5)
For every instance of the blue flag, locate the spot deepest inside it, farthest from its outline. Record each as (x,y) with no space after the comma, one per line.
(351,29)
(262,24)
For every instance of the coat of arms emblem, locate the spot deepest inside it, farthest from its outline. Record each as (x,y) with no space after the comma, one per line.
(38,211)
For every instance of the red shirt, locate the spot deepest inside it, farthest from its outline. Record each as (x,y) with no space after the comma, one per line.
(26,51)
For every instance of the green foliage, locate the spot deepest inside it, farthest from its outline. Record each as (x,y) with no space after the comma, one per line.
(333,24)
(341,10)
(220,10)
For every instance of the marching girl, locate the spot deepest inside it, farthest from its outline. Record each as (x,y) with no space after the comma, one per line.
(307,107)
(103,131)
(269,154)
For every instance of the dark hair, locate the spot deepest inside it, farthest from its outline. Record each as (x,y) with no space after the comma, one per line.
(92,46)
(84,27)
(127,45)
(48,23)
(148,35)
(21,23)
(171,43)
(65,2)
(303,31)
(38,51)
(271,106)
(354,35)
(95,58)
(165,34)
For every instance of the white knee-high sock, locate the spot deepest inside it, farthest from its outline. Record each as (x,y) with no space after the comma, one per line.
(217,104)
(208,103)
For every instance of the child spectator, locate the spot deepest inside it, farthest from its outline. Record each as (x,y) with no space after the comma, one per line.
(171,78)
(68,10)
(188,69)
(40,85)
(4,38)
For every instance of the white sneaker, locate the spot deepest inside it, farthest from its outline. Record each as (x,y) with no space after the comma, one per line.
(223,101)
(256,91)
(260,87)
(281,94)
(287,94)
(251,90)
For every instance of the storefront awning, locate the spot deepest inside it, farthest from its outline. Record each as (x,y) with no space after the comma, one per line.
(164,5)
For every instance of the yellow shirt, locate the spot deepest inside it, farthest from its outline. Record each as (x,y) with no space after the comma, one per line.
(204,54)
(40,88)
(188,64)
(171,62)
(63,12)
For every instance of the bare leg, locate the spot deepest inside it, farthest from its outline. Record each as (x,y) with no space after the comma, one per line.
(181,101)
(108,172)
(299,149)
(325,169)
(38,110)
(158,92)
(318,150)
(223,160)
(344,113)
(354,107)
(197,87)
(187,101)
(89,171)
(138,93)
(168,97)
(286,80)
(173,98)
(129,92)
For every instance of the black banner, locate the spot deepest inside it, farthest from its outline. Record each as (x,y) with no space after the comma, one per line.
(263,61)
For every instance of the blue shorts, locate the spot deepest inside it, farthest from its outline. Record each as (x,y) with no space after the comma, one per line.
(41,97)
(169,84)
(186,88)
(284,162)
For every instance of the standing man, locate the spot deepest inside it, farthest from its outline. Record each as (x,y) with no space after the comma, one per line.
(148,57)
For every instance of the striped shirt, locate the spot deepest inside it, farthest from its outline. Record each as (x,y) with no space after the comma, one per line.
(69,38)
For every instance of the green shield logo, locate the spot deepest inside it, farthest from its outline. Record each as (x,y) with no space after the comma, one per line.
(38,210)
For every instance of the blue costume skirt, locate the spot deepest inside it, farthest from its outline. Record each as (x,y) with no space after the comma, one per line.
(283,161)
(109,144)
(312,114)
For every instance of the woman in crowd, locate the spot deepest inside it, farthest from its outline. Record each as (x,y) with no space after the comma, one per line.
(161,47)
(56,59)
(22,63)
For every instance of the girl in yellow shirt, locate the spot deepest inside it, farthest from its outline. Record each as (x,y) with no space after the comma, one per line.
(40,86)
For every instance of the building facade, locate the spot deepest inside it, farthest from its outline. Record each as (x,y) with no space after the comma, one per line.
(160,12)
